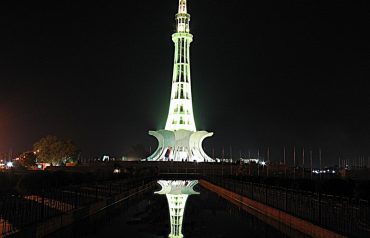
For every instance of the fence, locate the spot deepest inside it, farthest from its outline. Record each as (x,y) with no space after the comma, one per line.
(19,211)
(343,215)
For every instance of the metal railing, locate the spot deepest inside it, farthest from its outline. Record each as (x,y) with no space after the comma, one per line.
(343,215)
(19,211)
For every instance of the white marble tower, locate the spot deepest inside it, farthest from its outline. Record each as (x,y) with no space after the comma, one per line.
(180,141)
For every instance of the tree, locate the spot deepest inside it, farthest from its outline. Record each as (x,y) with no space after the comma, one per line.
(52,150)
(27,159)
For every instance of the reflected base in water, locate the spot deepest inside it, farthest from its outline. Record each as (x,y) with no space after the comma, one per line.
(177,192)
(206,216)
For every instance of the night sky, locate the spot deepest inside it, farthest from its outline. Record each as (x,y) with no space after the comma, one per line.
(264,73)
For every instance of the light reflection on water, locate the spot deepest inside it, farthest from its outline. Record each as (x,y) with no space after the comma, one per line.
(177,193)
(204,215)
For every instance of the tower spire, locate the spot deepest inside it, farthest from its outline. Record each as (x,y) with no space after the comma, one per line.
(182,6)
(180,115)
(182,18)
(180,140)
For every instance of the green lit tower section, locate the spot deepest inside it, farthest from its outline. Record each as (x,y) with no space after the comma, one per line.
(180,140)
(180,115)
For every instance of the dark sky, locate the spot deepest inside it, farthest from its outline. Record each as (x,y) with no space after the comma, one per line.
(264,73)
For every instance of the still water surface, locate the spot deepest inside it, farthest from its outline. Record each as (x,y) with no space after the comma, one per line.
(206,215)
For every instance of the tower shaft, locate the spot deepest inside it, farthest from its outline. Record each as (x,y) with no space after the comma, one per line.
(180,141)
(176,205)
(180,115)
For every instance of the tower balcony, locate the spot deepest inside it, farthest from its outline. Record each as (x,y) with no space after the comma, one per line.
(182,16)
(182,35)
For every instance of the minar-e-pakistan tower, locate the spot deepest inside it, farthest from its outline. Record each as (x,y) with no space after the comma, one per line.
(180,141)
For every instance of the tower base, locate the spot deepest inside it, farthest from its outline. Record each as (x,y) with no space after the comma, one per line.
(181,145)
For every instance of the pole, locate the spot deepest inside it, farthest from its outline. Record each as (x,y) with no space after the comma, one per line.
(268,160)
(284,162)
(231,160)
(303,163)
(258,166)
(311,163)
(320,161)
(231,153)
(339,162)
(223,153)
(294,162)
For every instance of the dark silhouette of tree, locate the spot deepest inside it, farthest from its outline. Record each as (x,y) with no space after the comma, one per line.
(27,159)
(55,151)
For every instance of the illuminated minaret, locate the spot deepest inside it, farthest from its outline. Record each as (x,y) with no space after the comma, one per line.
(180,141)
(180,115)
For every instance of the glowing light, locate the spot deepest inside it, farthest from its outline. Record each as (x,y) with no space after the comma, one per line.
(182,6)
(180,114)
(177,192)
(9,164)
(180,141)
(181,145)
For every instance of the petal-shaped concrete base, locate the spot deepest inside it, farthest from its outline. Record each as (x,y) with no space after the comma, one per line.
(181,145)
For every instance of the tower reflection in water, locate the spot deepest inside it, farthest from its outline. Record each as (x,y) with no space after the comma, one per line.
(177,192)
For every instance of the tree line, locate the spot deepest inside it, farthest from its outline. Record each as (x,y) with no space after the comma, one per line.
(52,150)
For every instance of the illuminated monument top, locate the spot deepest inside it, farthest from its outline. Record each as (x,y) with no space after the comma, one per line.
(180,115)
(180,141)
